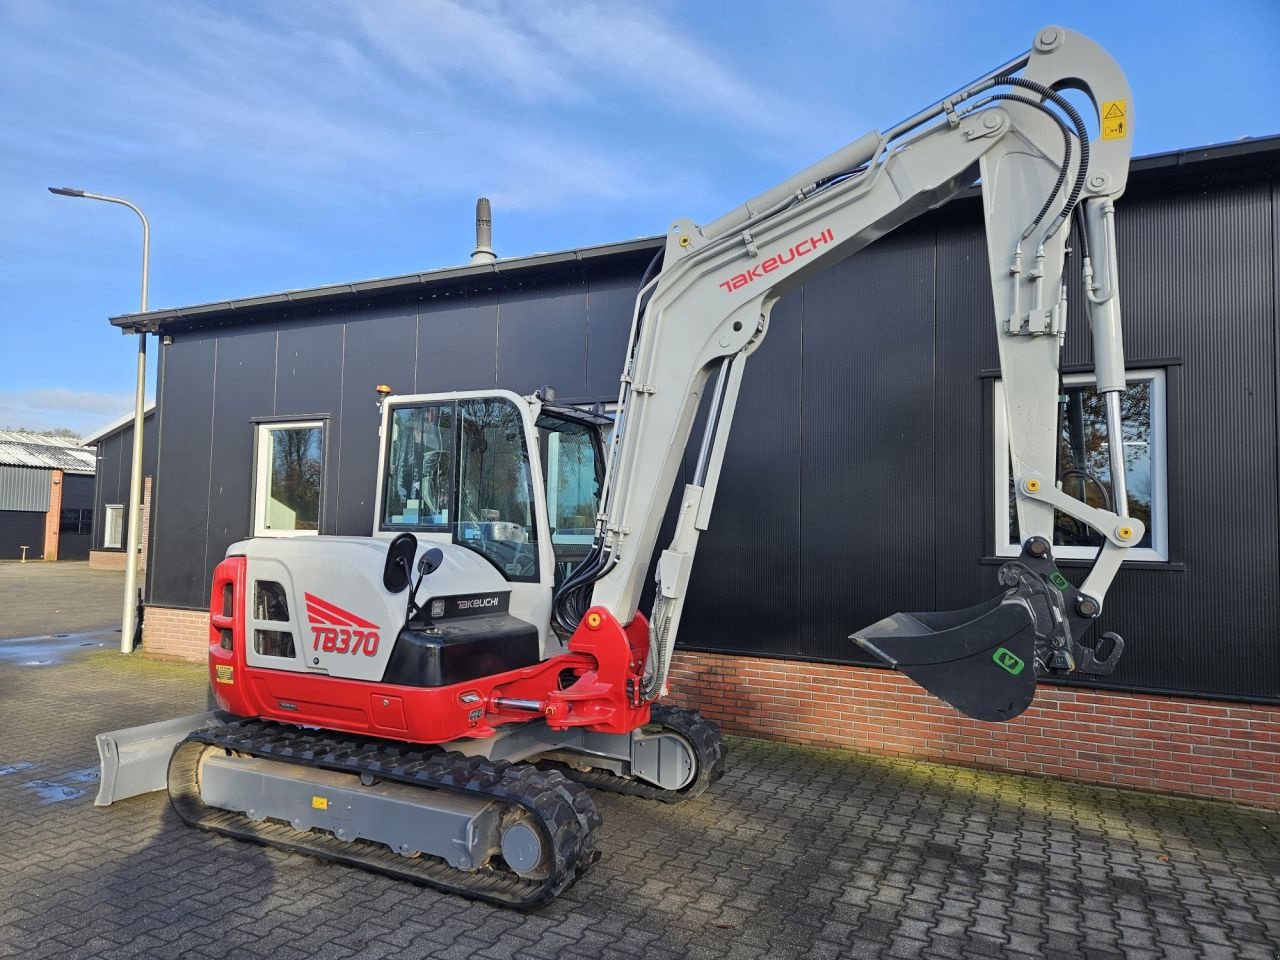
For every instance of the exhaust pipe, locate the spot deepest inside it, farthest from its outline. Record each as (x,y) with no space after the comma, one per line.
(483,253)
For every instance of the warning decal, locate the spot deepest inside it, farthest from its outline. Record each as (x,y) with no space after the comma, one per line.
(1115,120)
(224,673)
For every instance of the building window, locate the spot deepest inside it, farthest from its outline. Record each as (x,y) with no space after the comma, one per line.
(113,534)
(75,521)
(290,470)
(1084,466)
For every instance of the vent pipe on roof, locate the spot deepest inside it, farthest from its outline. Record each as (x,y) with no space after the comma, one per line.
(483,253)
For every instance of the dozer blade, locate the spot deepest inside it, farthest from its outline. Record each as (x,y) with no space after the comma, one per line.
(136,760)
(979,660)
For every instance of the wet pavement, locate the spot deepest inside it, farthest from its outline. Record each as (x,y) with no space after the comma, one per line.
(797,852)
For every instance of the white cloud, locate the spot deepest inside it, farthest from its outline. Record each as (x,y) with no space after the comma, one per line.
(49,408)
(424,98)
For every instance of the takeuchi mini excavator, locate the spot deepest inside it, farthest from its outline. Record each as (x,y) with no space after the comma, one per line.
(431,701)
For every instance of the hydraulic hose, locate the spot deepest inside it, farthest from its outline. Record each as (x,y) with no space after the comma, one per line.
(1082,171)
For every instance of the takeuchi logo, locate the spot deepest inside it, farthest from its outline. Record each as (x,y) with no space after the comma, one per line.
(770,264)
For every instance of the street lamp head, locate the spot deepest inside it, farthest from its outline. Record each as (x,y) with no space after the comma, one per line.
(66,191)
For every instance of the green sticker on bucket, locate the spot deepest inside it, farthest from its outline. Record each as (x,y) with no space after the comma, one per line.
(1008,661)
(1058,580)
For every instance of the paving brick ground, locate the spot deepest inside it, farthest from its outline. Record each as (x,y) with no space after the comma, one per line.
(798,852)
(39,598)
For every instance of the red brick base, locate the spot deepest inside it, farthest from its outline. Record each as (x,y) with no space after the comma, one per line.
(1167,744)
(53,518)
(172,634)
(107,560)
(1178,745)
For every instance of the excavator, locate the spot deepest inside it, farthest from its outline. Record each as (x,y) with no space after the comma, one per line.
(432,701)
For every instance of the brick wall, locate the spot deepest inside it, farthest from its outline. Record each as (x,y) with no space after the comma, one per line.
(1166,744)
(1139,741)
(172,634)
(53,519)
(106,559)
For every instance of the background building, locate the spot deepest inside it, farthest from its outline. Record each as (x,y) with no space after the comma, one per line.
(46,497)
(865,473)
(114,444)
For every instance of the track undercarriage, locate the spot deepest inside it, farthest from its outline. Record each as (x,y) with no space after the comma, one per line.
(510,833)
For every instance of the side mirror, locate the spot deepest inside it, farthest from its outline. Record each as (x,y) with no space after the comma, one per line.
(396,572)
(430,561)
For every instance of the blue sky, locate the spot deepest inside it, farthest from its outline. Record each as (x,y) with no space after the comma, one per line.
(293,143)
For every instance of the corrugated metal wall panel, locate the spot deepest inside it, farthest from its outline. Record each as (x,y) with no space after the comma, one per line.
(24,488)
(745,589)
(177,572)
(1199,286)
(379,350)
(867,477)
(610,302)
(246,369)
(457,344)
(542,339)
(115,456)
(20,528)
(965,345)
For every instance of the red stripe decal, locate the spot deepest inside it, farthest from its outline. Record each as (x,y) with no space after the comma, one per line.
(316,615)
(326,612)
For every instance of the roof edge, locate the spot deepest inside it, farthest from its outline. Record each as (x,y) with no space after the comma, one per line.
(115,425)
(154,319)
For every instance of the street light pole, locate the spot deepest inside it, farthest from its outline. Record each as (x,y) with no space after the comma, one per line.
(128,619)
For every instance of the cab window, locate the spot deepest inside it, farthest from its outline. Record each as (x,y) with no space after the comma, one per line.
(495,507)
(417,489)
(573,466)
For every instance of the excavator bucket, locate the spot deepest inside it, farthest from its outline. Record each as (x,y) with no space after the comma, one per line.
(979,660)
(984,660)
(135,760)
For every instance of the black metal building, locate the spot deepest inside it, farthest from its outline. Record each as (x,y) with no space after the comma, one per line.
(860,478)
(114,443)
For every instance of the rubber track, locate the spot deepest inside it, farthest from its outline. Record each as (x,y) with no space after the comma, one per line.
(564,810)
(710,752)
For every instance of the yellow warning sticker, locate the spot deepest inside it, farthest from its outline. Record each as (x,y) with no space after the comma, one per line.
(1115,119)
(320,803)
(224,673)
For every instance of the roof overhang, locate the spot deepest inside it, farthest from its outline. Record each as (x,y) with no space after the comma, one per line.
(515,269)
(116,425)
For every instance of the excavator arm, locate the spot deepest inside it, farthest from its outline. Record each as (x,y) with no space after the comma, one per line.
(698,320)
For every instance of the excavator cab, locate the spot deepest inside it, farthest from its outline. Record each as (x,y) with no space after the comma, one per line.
(499,474)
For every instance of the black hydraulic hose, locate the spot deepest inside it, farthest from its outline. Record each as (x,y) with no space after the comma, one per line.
(573,597)
(1084,233)
(1082,132)
(651,269)
(1066,150)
